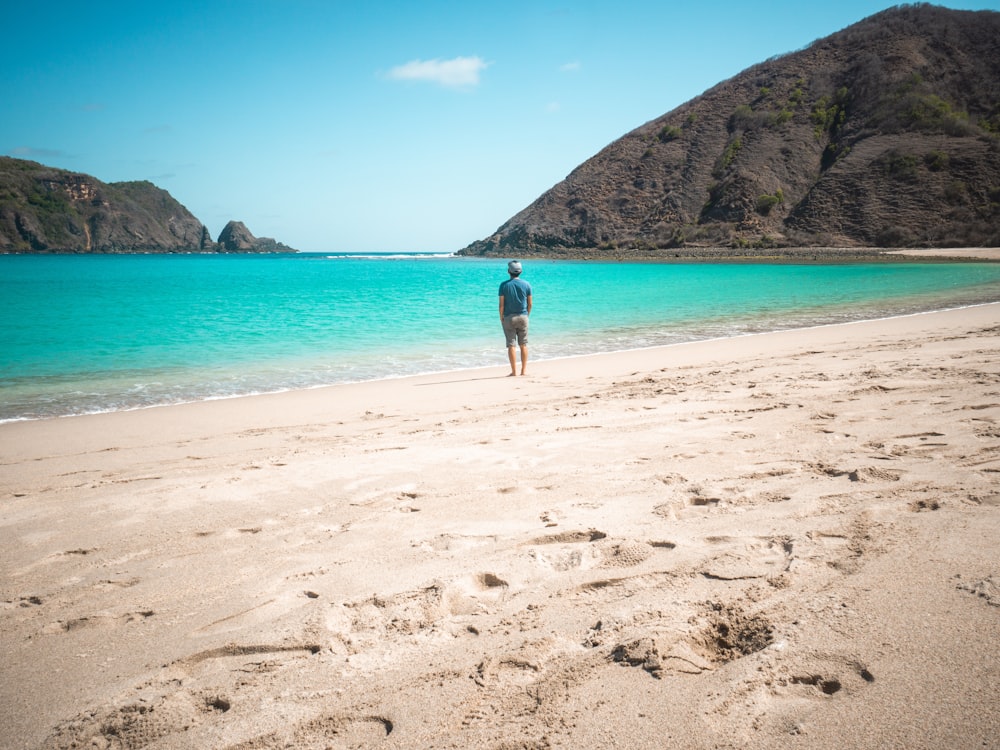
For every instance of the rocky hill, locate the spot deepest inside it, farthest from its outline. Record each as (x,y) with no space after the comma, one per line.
(884,134)
(48,210)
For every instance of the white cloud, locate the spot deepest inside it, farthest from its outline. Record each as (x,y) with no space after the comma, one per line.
(461,72)
(553,107)
(570,67)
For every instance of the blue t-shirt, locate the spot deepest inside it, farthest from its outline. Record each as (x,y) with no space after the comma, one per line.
(515,293)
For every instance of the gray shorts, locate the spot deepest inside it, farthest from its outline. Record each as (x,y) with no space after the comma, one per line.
(515,328)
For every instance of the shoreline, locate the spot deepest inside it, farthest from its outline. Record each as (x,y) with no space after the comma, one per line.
(776,255)
(978,253)
(643,355)
(473,369)
(762,541)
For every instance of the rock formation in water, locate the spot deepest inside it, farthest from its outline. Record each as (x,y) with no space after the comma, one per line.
(236,238)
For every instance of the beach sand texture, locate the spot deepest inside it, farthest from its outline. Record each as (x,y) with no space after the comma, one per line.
(786,540)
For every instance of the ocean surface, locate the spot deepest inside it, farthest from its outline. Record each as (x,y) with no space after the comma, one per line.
(93,333)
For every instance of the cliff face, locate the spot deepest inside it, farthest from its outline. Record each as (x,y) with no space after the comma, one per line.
(884,134)
(47,210)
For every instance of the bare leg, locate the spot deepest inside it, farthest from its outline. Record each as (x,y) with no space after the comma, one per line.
(512,356)
(524,358)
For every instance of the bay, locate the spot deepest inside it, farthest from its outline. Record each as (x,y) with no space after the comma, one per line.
(83,334)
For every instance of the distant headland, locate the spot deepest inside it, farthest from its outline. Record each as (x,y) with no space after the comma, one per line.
(49,210)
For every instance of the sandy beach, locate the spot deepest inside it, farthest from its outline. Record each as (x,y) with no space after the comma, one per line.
(788,540)
(979,253)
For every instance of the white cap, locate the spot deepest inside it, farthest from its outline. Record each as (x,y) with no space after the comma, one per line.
(514,266)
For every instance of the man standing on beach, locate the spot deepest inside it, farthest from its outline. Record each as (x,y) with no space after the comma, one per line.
(515,307)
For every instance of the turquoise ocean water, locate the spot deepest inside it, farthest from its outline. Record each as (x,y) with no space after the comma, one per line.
(81,334)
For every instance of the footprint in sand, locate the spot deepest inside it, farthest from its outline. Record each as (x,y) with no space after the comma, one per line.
(473,594)
(96,621)
(823,676)
(727,632)
(137,725)
(511,689)
(923,444)
(865,474)
(591,549)
(181,698)
(568,550)
(669,510)
(453,542)
(324,732)
(987,498)
(986,589)
(845,549)
(505,671)
(795,692)
(410,612)
(625,554)
(767,557)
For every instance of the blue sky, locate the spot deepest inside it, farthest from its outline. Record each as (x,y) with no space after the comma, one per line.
(369,126)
